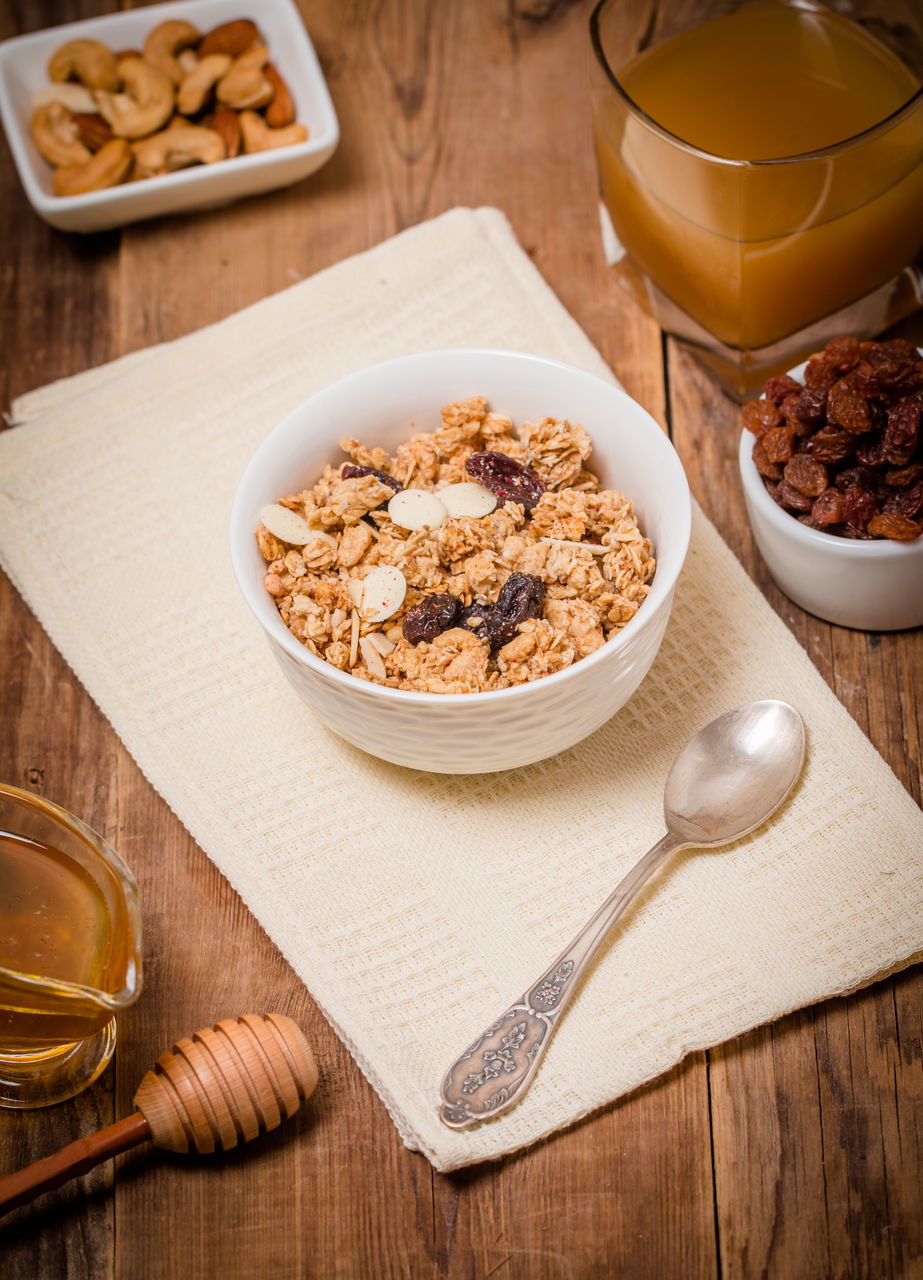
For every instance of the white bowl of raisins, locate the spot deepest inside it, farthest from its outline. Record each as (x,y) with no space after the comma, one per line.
(332,667)
(831,462)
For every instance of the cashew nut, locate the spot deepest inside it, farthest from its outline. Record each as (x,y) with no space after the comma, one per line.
(76,97)
(87,61)
(107,168)
(163,44)
(258,136)
(191,95)
(176,148)
(55,135)
(146,104)
(244,86)
(188,60)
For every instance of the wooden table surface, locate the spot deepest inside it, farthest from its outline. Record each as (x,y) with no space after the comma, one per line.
(794,1151)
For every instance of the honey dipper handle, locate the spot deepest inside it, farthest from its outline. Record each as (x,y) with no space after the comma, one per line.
(71,1161)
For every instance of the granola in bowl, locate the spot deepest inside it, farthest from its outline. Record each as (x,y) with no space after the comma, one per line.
(476,557)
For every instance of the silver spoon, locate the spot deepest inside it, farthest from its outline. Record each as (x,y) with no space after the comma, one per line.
(726,781)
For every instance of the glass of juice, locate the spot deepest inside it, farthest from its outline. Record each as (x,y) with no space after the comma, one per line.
(761,171)
(70,950)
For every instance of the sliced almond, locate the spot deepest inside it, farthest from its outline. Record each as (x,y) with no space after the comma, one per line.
(355,591)
(372,658)
(467,499)
(354,639)
(381,642)
(383,593)
(416,509)
(287,525)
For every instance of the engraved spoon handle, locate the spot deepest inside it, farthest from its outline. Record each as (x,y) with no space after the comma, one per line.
(498,1067)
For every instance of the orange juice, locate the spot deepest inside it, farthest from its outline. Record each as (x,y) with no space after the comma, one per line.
(741,176)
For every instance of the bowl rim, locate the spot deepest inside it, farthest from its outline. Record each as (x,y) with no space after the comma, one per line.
(786,524)
(343,679)
(326,137)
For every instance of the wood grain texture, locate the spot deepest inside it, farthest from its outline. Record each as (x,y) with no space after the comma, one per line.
(796,1151)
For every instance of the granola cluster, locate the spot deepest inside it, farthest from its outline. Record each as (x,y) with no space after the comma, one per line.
(419,570)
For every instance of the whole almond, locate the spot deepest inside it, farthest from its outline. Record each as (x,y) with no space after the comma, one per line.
(92,130)
(224,120)
(281,109)
(231,37)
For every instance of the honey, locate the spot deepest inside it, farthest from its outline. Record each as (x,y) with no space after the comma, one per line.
(56,925)
(722,202)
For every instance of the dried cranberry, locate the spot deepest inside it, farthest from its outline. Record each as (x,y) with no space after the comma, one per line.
(510,480)
(352,470)
(433,615)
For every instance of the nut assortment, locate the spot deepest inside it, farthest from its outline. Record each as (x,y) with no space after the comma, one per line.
(477,557)
(843,453)
(185,98)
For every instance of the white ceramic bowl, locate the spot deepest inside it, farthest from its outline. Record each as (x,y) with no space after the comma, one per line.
(383,405)
(23,63)
(869,586)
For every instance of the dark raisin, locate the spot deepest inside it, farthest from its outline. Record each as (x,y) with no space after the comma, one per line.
(510,480)
(832,445)
(806,474)
(351,470)
(759,415)
(433,615)
(869,450)
(793,499)
(767,469)
(906,502)
(898,528)
(843,353)
(900,477)
(859,506)
(901,433)
(778,443)
(827,507)
(848,409)
(521,597)
(779,388)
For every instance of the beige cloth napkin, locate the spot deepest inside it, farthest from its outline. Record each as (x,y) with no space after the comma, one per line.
(416,906)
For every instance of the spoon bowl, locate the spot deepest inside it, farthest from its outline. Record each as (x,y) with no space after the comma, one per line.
(734,773)
(727,780)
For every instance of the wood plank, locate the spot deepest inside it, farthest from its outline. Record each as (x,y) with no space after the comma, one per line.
(816,1119)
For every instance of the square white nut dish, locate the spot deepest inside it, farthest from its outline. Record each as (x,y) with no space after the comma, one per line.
(24,73)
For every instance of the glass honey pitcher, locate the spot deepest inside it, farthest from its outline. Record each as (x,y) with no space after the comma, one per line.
(70,950)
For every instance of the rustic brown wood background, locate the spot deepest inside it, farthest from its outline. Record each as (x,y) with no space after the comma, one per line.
(795,1151)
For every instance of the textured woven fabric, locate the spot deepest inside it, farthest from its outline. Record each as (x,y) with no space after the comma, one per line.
(416,906)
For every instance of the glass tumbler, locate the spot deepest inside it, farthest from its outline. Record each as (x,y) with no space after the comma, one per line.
(70,950)
(727,210)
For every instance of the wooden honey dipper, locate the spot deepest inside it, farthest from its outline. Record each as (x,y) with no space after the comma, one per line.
(226,1084)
